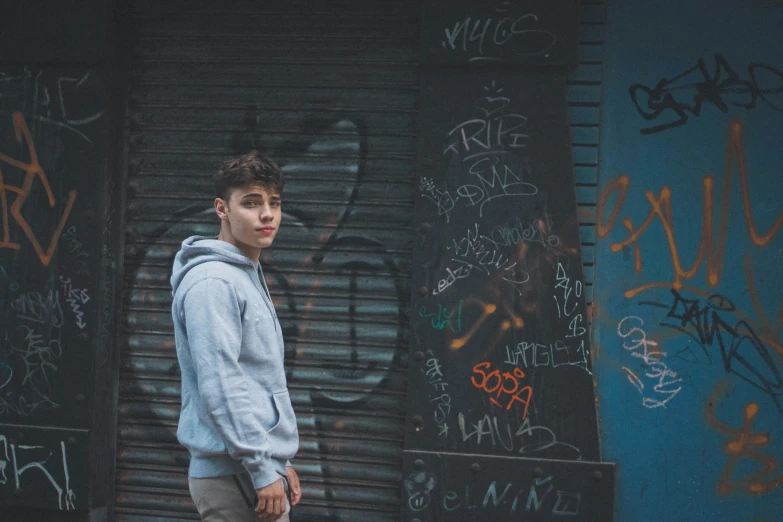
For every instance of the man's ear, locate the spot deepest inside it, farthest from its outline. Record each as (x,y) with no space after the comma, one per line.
(221,208)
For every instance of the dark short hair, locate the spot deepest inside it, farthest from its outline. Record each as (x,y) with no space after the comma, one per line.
(251,167)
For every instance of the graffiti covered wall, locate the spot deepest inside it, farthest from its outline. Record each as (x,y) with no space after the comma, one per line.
(501,421)
(689,261)
(50,157)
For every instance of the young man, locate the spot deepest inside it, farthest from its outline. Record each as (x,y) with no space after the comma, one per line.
(236,421)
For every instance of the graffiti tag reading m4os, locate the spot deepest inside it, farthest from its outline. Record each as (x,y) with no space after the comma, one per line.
(32,170)
(477,37)
(495,382)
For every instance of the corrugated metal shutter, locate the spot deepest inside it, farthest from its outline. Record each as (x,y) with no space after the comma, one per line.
(329,89)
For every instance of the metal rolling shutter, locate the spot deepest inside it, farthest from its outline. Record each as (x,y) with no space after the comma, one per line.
(329,89)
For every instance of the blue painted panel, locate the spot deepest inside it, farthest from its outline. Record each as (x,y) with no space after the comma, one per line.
(587,233)
(585,195)
(591,32)
(584,93)
(585,73)
(591,53)
(584,115)
(592,13)
(584,135)
(689,364)
(585,155)
(585,175)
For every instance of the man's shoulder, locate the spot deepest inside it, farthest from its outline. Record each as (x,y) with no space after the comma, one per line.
(211,270)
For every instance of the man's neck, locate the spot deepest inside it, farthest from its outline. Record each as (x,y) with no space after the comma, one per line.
(254,254)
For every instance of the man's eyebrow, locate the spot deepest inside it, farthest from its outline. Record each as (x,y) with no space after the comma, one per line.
(259,195)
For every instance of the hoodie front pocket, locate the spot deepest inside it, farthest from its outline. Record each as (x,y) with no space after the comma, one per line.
(284,435)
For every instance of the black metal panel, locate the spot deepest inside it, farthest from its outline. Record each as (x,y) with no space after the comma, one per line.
(55,302)
(43,467)
(499,324)
(44,31)
(50,157)
(524,32)
(449,487)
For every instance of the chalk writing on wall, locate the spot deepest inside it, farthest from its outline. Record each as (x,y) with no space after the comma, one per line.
(447,486)
(656,372)
(25,466)
(54,101)
(501,292)
(534,32)
(50,175)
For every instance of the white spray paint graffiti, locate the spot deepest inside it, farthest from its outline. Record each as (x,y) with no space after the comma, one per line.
(24,459)
(655,369)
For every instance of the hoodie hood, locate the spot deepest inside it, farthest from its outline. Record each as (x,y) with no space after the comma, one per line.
(199,249)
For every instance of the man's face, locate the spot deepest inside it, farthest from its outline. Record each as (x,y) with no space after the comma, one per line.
(250,218)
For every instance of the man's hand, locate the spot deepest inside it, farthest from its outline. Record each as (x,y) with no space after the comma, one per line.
(271,501)
(293,483)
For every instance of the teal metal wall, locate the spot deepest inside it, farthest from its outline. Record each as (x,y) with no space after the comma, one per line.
(689,260)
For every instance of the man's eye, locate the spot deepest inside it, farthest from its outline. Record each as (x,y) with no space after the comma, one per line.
(275,204)
(250,203)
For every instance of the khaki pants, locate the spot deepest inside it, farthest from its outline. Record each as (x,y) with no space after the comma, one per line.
(230,498)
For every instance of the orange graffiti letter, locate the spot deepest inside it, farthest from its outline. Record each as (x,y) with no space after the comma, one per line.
(33,170)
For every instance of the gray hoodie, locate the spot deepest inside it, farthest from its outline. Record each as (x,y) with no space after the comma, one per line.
(236,411)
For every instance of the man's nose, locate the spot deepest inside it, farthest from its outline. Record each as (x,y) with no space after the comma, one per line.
(266,213)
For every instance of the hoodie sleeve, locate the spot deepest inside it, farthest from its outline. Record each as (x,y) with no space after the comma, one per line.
(214,329)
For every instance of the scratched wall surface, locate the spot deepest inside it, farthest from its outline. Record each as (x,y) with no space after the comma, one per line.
(50,157)
(689,261)
(329,91)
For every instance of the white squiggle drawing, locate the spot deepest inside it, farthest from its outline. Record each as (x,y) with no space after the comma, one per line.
(419,486)
(453,276)
(39,308)
(25,459)
(577,326)
(441,197)
(666,380)
(75,297)
(475,251)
